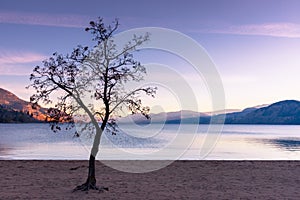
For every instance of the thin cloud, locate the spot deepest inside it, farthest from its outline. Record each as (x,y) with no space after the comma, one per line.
(17,58)
(58,20)
(288,30)
(18,63)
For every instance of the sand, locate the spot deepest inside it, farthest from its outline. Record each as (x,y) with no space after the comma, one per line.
(180,180)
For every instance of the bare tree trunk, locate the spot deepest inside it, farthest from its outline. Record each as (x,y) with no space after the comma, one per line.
(91,174)
(91,179)
(94,151)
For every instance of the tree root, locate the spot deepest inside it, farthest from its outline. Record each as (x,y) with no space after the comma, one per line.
(89,186)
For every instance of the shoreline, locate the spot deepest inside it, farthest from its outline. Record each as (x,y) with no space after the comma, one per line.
(186,179)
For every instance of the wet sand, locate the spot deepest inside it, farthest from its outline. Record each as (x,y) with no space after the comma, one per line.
(180,180)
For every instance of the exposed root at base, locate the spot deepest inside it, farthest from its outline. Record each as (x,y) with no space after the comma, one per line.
(89,186)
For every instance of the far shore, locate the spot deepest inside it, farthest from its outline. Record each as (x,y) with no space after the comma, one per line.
(180,180)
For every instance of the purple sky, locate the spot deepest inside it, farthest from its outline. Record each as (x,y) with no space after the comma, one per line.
(254,44)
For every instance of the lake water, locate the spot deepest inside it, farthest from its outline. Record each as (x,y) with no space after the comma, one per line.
(234,142)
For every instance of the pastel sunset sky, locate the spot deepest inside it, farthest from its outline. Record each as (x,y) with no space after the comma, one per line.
(254,44)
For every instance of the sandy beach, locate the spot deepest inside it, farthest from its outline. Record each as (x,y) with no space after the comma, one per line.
(180,180)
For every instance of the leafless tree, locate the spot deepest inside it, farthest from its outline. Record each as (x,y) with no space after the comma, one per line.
(99,73)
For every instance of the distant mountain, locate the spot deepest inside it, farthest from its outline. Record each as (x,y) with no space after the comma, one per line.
(164,117)
(226,111)
(283,112)
(14,109)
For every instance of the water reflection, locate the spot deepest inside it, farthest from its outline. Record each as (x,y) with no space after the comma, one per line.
(244,142)
(4,151)
(290,144)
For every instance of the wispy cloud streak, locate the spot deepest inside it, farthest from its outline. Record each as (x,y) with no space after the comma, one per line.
(76,21)
(17,58)
(18,63)
(288,30)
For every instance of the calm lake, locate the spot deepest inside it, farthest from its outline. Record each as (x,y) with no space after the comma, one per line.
(234,142)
